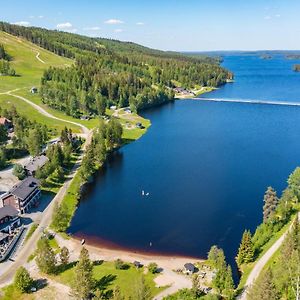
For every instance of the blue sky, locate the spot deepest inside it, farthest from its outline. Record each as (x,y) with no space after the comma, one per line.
(193,25)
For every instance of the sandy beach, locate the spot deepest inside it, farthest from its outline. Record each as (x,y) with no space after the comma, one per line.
(168,264)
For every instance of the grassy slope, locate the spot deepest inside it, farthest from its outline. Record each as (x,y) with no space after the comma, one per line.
(30,70)
(26,64)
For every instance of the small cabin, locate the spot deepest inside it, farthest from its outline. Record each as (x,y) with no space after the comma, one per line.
(137,264)
(189,269)
(33,90)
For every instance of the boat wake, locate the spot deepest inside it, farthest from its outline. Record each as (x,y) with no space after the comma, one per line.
(249,101)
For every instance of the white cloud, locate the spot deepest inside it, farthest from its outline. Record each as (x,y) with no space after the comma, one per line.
(40,17)
(22,23)
(31,17)
(113,21)
(140,23)
(278,16)
(64,26)
(94,28)
(267,17)
(118,30)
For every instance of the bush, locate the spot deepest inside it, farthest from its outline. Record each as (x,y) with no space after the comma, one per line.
(19,171)
(23,282)
(153,268)
(120,265)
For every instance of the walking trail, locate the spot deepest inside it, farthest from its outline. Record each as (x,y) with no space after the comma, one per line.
(38,58)
(262,262)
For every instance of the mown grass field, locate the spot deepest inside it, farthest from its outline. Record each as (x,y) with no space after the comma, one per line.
(28,68)
(126,279)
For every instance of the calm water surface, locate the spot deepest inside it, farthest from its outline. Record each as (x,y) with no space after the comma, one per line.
(206,167)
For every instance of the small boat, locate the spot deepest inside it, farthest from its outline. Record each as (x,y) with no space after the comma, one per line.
(150,244)
(82,241)
(147,194)
(143,192)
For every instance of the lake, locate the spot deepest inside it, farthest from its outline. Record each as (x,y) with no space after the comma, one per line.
(205,165)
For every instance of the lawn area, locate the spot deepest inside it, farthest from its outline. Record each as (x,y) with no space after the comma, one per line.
(10,293)
(24,61)
(125,279)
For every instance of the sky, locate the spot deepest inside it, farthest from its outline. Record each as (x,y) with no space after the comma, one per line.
(189,25)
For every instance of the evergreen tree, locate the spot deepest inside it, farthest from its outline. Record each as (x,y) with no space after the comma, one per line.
(3,134)
(270,204)
(64,256)
(142,290)
(23,281)
(83,282)
(117,295)
(264,289)
(294,182)
(228,291)
(45,257)
(35,142)
(246,251)
(2,158)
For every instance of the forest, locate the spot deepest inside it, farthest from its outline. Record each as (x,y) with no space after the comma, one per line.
(109,72)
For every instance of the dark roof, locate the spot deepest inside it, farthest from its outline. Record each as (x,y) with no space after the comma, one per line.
(23,189)
(189,267)
(36,162)
(7,211)
(137,263)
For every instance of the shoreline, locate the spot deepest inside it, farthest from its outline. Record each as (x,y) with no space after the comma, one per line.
(104,245)
(171,262)
(195,93)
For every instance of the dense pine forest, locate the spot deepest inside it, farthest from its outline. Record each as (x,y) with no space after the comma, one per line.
(109,72)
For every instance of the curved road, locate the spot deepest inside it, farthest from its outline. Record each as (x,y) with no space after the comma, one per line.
(262,262)
(30,245)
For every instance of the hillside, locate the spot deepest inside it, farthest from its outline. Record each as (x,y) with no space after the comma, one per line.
(108,72)
(27,63)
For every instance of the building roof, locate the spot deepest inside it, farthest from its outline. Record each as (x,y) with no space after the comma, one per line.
(36,162)
(7,211)
(190,267)
(23,189)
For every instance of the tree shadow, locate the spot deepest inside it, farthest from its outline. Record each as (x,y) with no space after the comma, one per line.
(62,268)
(40,283)
(98,262)
(104,282)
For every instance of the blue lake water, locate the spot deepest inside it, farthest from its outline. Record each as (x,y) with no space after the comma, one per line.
(206,166)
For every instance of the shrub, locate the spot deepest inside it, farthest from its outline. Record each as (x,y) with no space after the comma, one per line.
(153,268)
(23,282)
